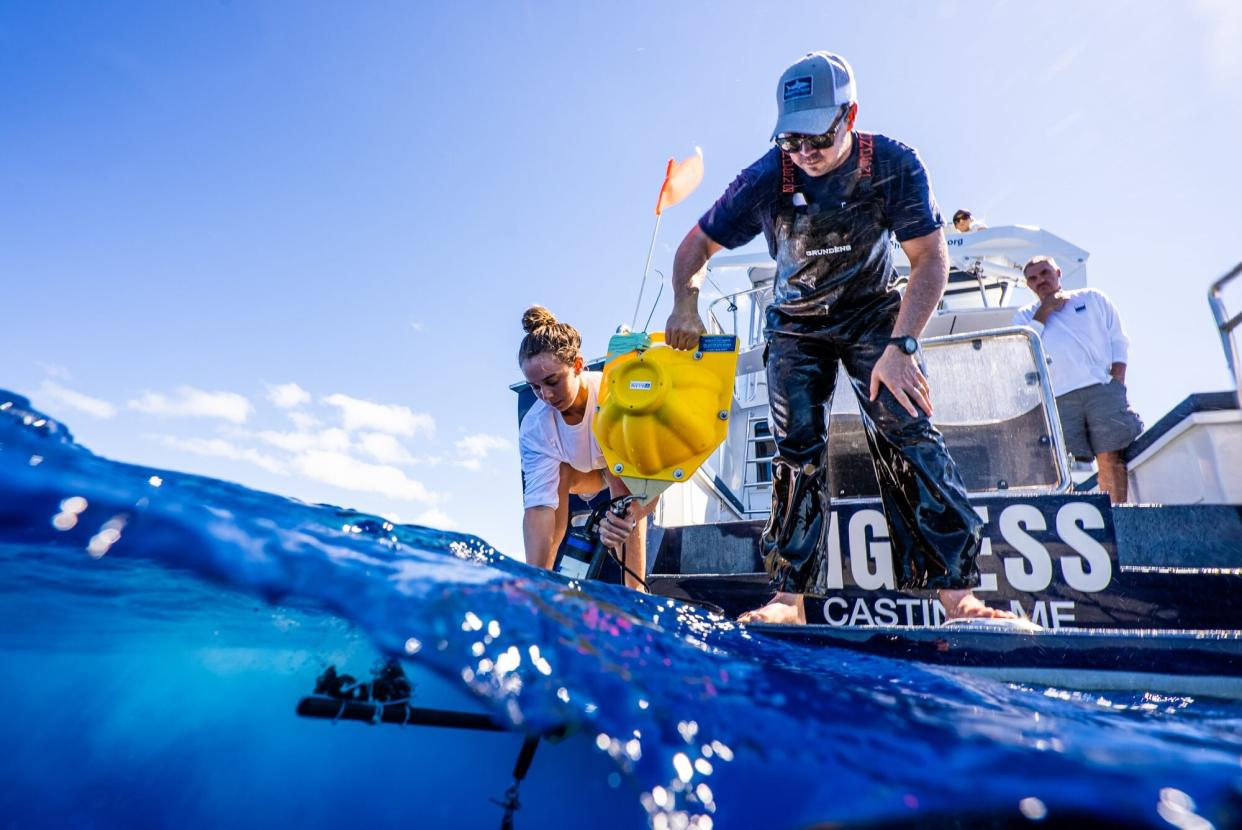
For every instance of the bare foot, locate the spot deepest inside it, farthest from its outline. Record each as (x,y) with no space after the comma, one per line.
(963,603)
(784,609)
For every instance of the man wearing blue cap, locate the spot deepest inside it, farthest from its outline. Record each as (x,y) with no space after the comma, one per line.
(829,200)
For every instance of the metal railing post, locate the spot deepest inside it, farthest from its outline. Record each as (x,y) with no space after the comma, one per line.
(1226,325)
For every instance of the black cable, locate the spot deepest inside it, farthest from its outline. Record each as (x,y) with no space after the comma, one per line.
(625,569)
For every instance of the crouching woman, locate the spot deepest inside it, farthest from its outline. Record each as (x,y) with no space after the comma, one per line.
(559,452)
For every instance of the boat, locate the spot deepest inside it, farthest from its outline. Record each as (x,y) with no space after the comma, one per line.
(1170,662)
(223,638)
(1145,595)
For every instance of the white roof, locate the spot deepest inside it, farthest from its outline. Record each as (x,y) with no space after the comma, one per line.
(1002,251)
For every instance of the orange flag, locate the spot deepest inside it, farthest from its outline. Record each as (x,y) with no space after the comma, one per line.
(680,180)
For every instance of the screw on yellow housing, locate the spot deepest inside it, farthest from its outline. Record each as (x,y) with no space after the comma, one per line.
(663,411)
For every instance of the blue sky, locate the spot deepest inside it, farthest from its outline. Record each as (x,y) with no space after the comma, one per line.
(289,244)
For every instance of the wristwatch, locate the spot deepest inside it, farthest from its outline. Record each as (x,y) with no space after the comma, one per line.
(907,344)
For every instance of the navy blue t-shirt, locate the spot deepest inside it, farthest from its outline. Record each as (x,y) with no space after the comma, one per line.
(750,204)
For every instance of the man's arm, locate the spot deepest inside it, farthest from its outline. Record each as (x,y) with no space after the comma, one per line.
(1119,342)
(684,325)
(929,274)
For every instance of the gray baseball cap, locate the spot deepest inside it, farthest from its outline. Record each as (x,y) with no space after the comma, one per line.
(811,92)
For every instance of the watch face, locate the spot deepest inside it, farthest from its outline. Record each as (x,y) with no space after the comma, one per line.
(907,344)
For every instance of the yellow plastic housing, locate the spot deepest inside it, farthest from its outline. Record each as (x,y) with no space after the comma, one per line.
(662,411)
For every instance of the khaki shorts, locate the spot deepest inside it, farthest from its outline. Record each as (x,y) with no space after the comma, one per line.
(1096,419)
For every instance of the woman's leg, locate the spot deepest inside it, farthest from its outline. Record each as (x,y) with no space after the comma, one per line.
(634,551)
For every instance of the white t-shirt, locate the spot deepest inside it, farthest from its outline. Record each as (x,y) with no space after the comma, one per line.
(1083,339)
(546,441)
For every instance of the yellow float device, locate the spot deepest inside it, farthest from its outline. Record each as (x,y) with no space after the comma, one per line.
(662,411)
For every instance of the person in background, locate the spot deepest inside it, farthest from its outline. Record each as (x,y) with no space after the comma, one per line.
(559,452)
(1087,347)
(829,202)
(964,222)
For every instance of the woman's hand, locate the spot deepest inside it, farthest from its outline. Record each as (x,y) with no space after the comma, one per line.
(615,530)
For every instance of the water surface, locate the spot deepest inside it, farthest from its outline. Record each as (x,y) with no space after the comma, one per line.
(158,629)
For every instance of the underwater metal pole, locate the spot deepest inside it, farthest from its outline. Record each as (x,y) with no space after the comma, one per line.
(396,712)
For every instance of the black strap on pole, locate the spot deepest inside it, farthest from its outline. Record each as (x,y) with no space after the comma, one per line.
(511,803)
(400,713)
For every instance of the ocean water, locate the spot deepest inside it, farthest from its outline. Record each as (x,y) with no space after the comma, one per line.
(157,631)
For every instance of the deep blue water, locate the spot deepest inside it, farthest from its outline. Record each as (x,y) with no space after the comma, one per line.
(157,630)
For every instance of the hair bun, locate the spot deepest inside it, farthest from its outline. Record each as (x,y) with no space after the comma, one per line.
(536,317)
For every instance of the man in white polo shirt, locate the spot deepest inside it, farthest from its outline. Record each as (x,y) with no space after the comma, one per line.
(1087,346)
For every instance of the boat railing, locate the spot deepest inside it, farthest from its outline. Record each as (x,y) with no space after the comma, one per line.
(742,314)
(743,311)
(969,287)
(1012,418)
(995,407)
(1226,326)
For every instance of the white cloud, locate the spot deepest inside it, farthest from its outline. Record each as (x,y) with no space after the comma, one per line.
(1224,32)
(435,517)
(417,326)
(475,448)
(391,418)
(480,444)
(195,402)
(303,422)
(324,456)
(58,394)
(1064,61)
(378,445)
(349,473)
(384,448)
(333,439)
(365,453)
(219,448)
(287,395)
(55,371)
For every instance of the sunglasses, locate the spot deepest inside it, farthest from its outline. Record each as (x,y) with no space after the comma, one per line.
(792,142)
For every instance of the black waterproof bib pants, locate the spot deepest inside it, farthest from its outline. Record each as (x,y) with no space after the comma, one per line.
(834,266)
